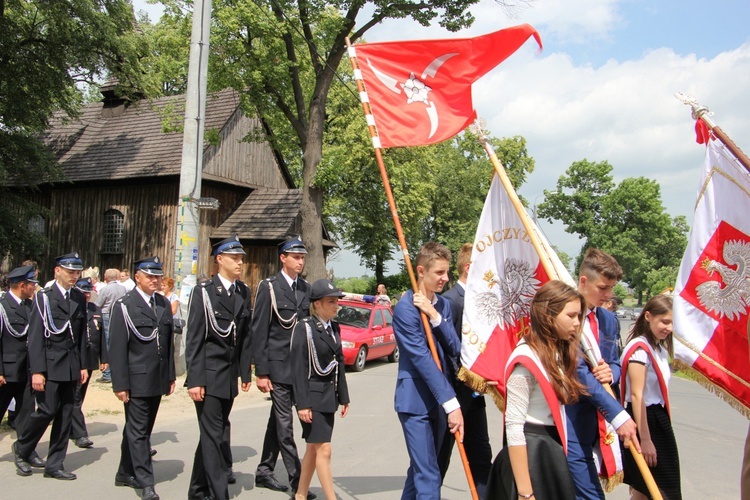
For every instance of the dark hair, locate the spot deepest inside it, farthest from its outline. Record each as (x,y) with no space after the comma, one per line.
(431,252)
(656,306)
(596,262)
(559,357)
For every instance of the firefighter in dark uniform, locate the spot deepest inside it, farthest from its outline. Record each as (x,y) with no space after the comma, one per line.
(94,357)
(15,307)
(217,352)
(280,302)
(57,326)
(141,360)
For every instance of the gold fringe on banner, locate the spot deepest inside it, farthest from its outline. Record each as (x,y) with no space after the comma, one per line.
(712,387)
(480,385)
(610,483)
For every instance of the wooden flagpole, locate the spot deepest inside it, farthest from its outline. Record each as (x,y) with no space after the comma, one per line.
(552,273)
(402,240)
(702,113)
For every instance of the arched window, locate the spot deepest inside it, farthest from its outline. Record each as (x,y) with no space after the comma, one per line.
(114,232)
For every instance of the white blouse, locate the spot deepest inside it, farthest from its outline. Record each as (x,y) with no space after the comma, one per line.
(525,402)
(652,390)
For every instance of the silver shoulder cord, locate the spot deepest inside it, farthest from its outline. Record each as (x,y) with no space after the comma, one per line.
(6,324)
(49,322)
(209,312)
(315,362)
(286,324)
(130,327)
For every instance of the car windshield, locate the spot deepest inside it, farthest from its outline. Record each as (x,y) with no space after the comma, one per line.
(354,316)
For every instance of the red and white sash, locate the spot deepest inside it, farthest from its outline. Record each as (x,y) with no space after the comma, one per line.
(634,345)
(524,356)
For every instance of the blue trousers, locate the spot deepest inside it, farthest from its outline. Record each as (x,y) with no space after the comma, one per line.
(424,436)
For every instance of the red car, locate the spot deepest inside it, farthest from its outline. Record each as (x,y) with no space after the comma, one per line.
(366,332)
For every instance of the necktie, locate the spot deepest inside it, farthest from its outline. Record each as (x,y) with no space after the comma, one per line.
(294,289)
(152,303)
(67,295)
(231,289)
(593,324)
(329,330)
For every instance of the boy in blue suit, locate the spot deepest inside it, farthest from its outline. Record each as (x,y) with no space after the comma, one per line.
(425,399)
(598,274)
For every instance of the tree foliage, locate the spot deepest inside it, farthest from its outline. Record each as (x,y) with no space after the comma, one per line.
(626,220)
(283,57)
(48,49)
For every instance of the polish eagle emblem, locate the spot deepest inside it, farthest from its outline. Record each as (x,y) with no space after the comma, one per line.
(731,297)
(516,289)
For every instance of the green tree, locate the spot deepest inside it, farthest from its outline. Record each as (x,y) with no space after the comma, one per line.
(626,220)
(49,50)
(284,56)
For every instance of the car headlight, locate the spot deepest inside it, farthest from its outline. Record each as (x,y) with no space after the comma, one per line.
(347,344)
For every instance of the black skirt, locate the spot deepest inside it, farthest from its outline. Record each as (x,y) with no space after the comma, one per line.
(548,467)
(667,470)
(320,429)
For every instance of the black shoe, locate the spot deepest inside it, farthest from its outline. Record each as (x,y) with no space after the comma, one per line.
(231,478)
(270,482)
(310,494)
(60,474)
(149,493)
(36,461)
(103,380)
(83,442)
(23,467)
(151,452)
(125,480)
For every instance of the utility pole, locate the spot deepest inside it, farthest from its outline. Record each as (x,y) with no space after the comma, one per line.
(189,202)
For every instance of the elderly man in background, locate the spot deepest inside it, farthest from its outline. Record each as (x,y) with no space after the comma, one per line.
(112,291)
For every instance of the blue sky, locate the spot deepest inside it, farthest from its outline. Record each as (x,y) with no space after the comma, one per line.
(603,89)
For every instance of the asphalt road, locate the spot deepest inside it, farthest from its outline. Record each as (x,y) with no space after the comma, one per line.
(369,457)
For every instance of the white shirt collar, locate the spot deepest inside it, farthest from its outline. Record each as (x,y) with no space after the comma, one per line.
(12,294)
(225,281)
(289,279)
(461,284)
(146,297)
(62,290)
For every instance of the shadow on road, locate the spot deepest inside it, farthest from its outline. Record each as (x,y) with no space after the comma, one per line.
(163,437)
(100,428)
(77,458)
(242,453)
(366,485)
(167,470)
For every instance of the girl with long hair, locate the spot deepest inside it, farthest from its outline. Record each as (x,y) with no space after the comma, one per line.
(540,379)
(645,396)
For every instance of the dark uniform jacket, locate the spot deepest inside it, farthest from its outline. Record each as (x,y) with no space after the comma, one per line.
(145,368)
(58,357)
(213,361)
(94,350)
(317,392)
(270,338)
(13,351)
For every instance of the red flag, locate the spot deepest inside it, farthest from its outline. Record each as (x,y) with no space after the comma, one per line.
(420,91)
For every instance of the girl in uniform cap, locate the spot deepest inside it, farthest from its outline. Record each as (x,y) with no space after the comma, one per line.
(319,384)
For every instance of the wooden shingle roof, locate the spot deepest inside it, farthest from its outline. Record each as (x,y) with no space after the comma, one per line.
(266,214)
(130,144)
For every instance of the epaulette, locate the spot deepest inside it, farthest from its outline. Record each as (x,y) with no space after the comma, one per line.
(303,279)
(206,282)
(270,278)
(46,289)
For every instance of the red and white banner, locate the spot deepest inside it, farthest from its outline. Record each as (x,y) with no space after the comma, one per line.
(712,295)
(504,275)
(420,90)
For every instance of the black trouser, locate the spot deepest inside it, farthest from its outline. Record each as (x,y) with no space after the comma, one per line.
(209,477)
(78,429)
(476,445)
(21,392)
(54,404)
(135,450)
(280,436)
(226,445)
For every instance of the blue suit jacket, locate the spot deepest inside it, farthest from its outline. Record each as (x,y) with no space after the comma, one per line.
(582,415)
(421,385)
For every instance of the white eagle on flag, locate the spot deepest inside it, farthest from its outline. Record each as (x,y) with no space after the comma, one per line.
(732,297)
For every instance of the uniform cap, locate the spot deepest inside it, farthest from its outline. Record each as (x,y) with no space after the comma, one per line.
(152,266)
(70,261)
(229,245)
(324,288)
(23,273)
(85,285)
(292,245)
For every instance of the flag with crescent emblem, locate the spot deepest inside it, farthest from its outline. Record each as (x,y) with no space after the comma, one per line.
(420,90)
(712,295)
(505,273)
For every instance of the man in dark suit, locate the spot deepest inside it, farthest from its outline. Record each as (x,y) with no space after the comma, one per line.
(141,359)
(280,302)
(94,357)
(598,274)
(424,394)
(217,352)
(57,327)
(14,325)
(473,406)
